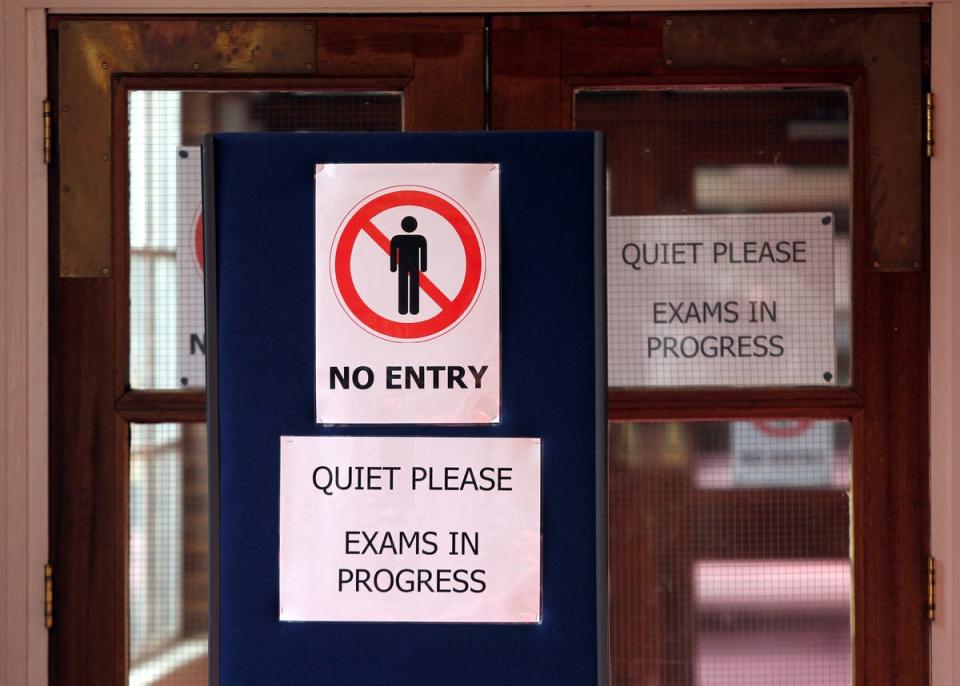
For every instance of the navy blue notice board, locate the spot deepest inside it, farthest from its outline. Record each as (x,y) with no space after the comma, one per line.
(259,199)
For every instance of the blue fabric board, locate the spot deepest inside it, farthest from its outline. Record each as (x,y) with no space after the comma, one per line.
(263,194)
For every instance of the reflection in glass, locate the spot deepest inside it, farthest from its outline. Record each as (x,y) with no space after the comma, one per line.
(731,565)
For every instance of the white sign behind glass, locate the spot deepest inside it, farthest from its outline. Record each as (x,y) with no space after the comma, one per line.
(706,300)
(772,453)
(191,332)
(403,529)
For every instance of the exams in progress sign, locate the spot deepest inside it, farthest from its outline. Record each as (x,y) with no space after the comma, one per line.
(714,300)
(410,529)
(408,293)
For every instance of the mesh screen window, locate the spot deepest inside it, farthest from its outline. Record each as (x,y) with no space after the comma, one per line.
(168,543)
(168,555)
(167,340)
(728,256)
(729,556)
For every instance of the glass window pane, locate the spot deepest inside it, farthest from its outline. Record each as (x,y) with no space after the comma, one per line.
(737,205)
(168,555)
(167,341)
(729,553)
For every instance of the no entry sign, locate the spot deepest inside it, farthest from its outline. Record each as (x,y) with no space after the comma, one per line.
(408,320)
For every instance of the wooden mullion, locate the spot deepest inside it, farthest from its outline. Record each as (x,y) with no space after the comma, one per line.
(894,483)
(244,82)
(738,79)
(859,233)
(120,208)
(705,404)
(725,413)
(154,407)
(858,538)
(864,634)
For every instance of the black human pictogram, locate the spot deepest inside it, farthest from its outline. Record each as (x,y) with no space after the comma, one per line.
(408,257)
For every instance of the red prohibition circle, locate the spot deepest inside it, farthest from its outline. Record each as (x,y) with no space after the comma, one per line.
(786,428)
(450,312)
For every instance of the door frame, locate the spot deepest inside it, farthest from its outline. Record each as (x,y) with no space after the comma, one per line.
(24,293)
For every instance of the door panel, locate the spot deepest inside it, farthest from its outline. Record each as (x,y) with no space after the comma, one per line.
(128,516)
(669,530)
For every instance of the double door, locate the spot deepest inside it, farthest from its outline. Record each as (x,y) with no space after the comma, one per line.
(762,529)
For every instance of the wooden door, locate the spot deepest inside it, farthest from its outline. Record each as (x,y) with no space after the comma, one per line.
(710,114)
(126,419)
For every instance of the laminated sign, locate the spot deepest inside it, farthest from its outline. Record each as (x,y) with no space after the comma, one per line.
(732,300)
(408,293)
(409,529)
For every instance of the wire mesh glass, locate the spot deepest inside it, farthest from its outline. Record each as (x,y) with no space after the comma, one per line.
(168,555)
(167,339)
(728,257)
(729,553)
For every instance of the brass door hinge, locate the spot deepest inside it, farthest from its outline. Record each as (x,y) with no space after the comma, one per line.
(928,124)
(47,132)
(48,595)
(931,588)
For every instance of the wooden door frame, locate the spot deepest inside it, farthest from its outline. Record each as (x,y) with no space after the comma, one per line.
(23,298)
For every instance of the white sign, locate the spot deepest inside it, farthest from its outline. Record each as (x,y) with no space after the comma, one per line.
(395,529)
(782,452)
(710,300)
(408,293)
(191,333)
